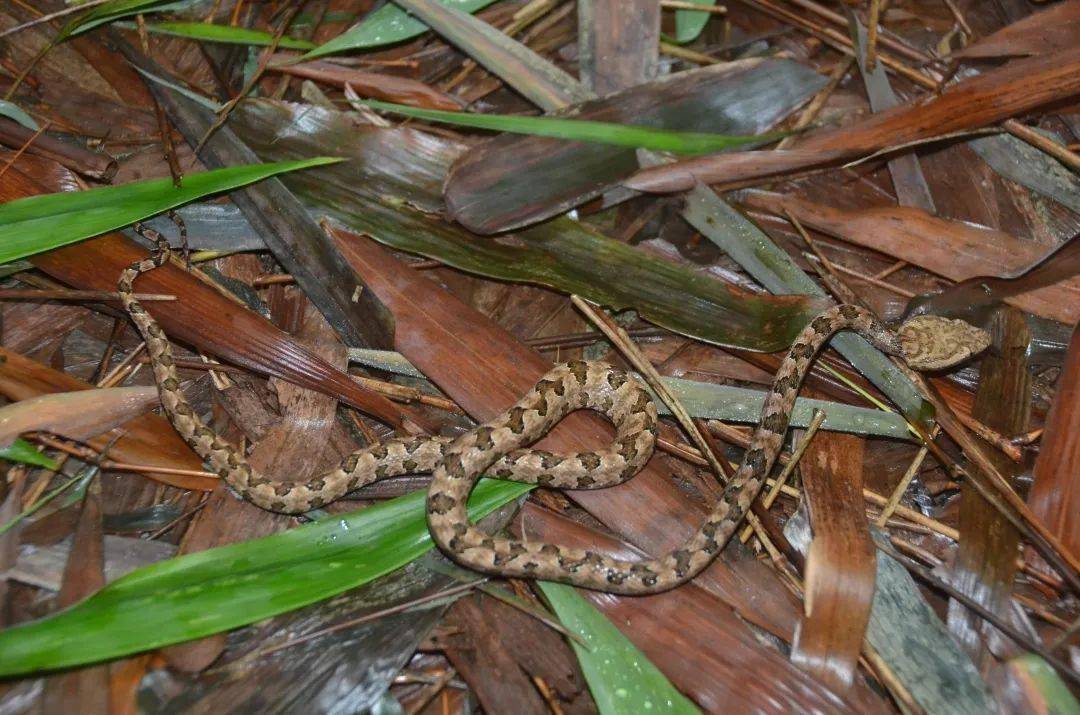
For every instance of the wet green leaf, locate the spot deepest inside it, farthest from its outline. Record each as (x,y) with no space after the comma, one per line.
(215,590)
(689,24)
(621,679)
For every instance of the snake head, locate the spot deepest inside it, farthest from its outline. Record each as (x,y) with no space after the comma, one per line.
(930,342)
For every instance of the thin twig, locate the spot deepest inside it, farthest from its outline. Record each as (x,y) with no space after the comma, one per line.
(95,295)
(774,490)
(901,488)
(26,145)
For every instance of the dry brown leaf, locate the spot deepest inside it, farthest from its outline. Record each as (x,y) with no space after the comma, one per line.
(1052,30)
(1055,493)
(840,565)
(148,440)
(953,249)
(77,415)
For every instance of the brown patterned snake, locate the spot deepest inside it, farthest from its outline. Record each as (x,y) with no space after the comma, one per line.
(497,447)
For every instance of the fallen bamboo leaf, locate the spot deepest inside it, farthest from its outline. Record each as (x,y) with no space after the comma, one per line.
(530,74)
(230,586)
(1055,491)
(392,195)
(210,32)
(38,223)
(838,581)
(707,400)
(621,679)
(510,181)
(954,249)
(107,13)
(77,415)
(149,440)
(583,130)
(1019,87)
(1045,32)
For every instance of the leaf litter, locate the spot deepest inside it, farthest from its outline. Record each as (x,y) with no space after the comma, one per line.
(935,174)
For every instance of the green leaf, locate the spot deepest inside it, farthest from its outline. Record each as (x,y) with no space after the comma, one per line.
(627,135)
(113,11)
(12,111)
(689,23)
(22,451)
(210,32)
(40,223)
(621,679)
(385,26)
(215,590)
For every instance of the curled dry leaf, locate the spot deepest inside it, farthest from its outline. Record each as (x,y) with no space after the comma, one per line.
(1016,88)
(149,440)
(78,415)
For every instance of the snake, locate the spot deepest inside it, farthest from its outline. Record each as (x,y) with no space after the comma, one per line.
(499,448)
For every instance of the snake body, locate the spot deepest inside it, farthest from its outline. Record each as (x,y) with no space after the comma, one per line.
(498,448)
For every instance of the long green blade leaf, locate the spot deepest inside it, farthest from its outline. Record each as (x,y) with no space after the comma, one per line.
(627,135)
(40,223)
(113,11)
(385,26)
(621,679)
(231,586)
(22,451)
(210,32)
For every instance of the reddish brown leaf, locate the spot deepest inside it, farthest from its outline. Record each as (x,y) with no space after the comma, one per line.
(148,440)
(84,690)
(953,249)
(985,562)
(989,98)
(372,84)
(840,565)
(77,415)
(1055,494)
(1051,30)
